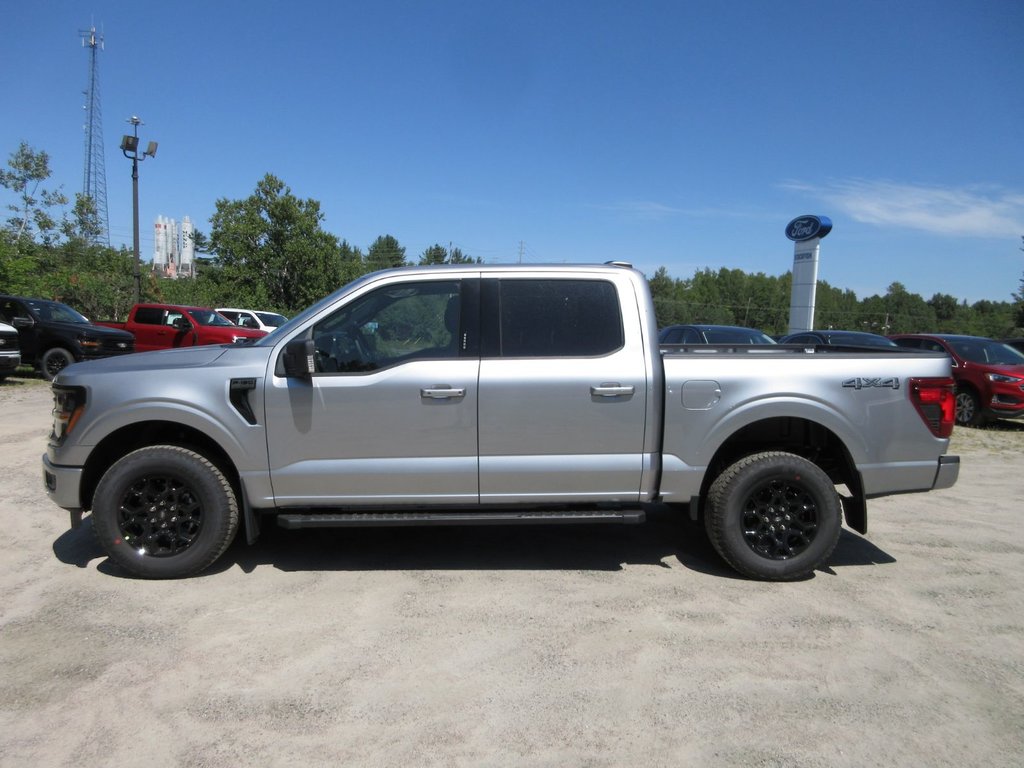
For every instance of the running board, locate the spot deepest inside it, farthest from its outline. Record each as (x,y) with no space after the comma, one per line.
(384,519)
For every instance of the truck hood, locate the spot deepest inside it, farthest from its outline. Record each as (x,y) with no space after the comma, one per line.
(164,359)
(96,331)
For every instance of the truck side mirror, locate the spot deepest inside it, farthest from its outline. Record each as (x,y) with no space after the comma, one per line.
(22,322)
(298,358)
(182,323)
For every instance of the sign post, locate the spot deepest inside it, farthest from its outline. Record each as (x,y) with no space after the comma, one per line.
(806,232)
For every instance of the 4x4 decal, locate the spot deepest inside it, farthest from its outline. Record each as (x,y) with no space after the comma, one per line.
(887,382)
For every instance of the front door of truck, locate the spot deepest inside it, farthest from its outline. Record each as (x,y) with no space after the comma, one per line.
(389,416)
(563,392)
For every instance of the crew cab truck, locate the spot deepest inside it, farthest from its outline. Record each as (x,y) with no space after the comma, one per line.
(164,326)
(492,395)
(52,335)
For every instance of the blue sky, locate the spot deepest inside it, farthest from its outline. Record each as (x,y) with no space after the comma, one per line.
(679,134)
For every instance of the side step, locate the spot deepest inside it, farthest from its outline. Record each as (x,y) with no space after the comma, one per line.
(384,519)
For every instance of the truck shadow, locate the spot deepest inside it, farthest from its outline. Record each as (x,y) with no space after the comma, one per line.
(668,539)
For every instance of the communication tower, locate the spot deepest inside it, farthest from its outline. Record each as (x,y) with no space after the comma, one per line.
(94,179)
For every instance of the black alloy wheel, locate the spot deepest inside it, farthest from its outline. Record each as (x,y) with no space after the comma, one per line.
(773,516)
(54,361)
(164,512)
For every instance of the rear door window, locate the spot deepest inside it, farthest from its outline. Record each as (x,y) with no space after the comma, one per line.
(558,318)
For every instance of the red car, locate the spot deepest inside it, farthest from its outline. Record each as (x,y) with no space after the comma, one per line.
(163,326)
(989,375)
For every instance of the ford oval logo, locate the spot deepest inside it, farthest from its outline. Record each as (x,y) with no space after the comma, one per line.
(808,227)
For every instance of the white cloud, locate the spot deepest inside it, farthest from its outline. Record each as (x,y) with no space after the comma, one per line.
(959,212)
(648,209)
(644,209)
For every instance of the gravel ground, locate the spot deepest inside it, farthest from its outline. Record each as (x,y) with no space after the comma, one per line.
(588,646)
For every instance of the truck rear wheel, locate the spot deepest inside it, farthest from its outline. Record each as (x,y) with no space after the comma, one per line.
(54,361)
(773,516)
(164,512)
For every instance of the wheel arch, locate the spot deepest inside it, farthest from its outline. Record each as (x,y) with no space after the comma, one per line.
(123,441)
(802,437)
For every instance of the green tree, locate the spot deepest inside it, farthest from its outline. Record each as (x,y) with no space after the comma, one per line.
(385,253)
(272,248)
(438,254)
(32,211)
(458,257)
(353,263)
(947,310)
(435,254)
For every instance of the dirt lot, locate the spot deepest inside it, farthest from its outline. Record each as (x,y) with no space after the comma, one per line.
(605,646)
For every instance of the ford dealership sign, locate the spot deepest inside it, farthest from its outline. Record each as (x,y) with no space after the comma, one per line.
(808,228)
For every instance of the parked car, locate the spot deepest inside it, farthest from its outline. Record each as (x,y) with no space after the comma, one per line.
(164,326)
(838,338)
(252,318)
(52,335)
(989,375)
(10,353)
(712,334)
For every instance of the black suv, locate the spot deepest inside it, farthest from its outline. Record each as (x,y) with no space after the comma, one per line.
(53,335)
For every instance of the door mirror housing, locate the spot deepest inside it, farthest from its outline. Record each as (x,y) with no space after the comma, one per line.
(182,324)
(298,358)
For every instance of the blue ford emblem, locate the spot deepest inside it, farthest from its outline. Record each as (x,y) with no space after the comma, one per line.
(808,227)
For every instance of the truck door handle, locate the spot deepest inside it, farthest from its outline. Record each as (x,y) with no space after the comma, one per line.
(442,392)
(611,390)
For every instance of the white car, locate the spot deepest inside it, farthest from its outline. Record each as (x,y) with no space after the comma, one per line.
(251,318)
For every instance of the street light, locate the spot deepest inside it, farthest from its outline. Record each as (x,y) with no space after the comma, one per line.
(130,148)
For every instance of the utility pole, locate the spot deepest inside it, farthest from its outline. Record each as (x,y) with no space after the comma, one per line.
(94,181)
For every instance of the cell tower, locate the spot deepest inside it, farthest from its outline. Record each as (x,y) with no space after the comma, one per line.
(94,180)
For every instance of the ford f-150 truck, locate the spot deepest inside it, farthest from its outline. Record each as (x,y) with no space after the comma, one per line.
(492,395)
(52,335)
(164,326)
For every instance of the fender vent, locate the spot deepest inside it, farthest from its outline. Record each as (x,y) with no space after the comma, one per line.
(239,396)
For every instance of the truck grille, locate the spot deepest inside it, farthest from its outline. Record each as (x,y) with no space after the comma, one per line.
(117,346)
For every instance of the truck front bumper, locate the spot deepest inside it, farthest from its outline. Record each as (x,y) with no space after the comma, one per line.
(62,485)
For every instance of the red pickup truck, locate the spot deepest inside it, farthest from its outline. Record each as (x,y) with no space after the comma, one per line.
(163,326)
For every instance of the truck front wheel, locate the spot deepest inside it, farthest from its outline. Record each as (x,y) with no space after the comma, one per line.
(164,512)
(54,361)
(773,516)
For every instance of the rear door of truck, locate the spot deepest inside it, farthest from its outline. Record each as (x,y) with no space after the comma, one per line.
(563,390)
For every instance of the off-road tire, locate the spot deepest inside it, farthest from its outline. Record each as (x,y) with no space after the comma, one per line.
(164,512)
(773,516)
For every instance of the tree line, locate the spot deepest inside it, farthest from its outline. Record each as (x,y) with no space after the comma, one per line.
(270,251)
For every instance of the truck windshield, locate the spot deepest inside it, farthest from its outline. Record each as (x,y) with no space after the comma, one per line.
(985,351)
(53,311)
(209,317)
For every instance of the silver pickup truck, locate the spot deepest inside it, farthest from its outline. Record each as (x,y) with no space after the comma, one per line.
(492,395)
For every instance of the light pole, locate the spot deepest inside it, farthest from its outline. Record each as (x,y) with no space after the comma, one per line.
(130,148)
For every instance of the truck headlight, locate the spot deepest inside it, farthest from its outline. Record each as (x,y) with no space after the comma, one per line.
(68,406)
(87,342)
